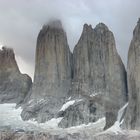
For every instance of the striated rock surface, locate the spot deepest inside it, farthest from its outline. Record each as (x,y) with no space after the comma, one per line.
(82,111)
(97,68)
(80,87)
(14,86)
(133,112)
(53,67)
(52,80)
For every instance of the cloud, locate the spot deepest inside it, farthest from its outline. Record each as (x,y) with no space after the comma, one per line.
(20,22)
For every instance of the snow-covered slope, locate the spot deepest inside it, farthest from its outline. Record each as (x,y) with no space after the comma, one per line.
(10,119)
(116,128)
(10,116)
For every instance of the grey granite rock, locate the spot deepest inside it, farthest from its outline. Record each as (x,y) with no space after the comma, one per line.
(53,67)
(98,68)
(94,68)
(14,86)
(81,112)
(132,120)
(52,80)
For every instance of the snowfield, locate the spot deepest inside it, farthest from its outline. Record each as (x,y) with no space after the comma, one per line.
(116,128)
(10,118)
(67,104)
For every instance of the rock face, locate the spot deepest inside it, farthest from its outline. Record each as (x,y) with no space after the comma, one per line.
(53,67)
(14,86)
(52,80)
(89,83)
(97,68)
(97,65)
(133,112)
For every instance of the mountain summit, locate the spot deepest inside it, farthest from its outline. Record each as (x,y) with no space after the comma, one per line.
(65,84)
(14,86)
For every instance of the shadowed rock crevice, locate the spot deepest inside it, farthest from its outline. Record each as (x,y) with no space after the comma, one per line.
(132,120)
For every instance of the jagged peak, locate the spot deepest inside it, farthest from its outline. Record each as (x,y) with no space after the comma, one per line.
(87,27)
(101,26)
(51,26)
(7,51)
(7,60)
(54,24)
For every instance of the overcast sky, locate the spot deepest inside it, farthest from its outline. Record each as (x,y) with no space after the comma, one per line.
(21,20)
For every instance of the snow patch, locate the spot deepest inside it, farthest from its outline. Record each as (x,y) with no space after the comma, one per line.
(120,113)
(30,101)
(10,116)
(100,122)
(92,128)
(95,94)
(33,102)
(1,46)
(79,100)
(69,103)
(41,101)
(53,123)
(69,98)
(116,127)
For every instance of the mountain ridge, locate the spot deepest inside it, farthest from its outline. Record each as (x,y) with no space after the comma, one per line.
(79,87)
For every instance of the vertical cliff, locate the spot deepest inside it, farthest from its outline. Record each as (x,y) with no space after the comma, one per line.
(53,68)
(80,87)
(52,80)
(99,69)
(14,86)
(133,66)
